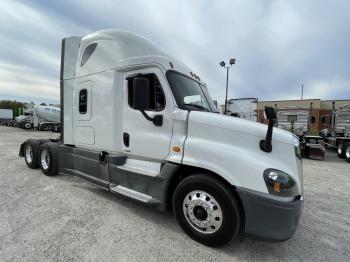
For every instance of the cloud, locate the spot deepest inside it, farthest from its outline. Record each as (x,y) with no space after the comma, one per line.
(279,45)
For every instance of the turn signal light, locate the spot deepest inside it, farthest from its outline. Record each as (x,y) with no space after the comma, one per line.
(277,187)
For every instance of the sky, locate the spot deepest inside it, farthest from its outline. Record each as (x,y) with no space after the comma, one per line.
(278,45)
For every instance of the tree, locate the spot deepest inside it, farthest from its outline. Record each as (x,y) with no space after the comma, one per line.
(8,104)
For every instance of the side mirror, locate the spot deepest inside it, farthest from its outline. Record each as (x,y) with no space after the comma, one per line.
(142,99)
(270,114)
(141,93)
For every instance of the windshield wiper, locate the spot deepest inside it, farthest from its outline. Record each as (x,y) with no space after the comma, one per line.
(197,106)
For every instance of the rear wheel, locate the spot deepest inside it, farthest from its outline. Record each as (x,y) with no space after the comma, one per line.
(31,150)
(49,159)
(341,150)
(206,210)
(45,127)
(347,153)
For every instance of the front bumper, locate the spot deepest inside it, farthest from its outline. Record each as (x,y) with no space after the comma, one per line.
(268,218)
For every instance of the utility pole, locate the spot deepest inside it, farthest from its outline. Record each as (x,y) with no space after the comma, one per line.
(302,91)
(222,64)
(226,90)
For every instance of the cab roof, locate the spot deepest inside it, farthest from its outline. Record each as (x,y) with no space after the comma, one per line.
(114,49)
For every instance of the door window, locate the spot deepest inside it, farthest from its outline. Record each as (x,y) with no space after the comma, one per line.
(83,101)
(156,92)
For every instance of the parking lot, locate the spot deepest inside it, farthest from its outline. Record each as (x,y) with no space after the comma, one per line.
(66,219)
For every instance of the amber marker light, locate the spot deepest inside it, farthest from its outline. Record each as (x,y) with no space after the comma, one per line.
(176,149)
(277,187)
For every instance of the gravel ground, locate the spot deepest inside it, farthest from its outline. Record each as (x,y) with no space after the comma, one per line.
(66,219)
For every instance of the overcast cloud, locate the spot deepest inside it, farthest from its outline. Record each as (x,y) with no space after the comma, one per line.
(278,44)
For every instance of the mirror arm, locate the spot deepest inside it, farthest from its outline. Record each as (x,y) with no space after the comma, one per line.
(157,119)
(266,145)
(146,116)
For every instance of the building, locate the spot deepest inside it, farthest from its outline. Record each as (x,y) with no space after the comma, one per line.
(320,110)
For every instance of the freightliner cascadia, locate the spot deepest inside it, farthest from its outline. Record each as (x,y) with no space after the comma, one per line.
(141,124)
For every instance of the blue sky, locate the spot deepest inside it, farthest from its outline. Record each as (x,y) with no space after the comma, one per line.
(278,44)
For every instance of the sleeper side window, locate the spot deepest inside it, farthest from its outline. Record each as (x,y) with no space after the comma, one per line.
(87,53)
(156,92)
(83,101)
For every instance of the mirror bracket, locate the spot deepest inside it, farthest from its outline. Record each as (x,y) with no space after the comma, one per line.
(266,144)
(157,119)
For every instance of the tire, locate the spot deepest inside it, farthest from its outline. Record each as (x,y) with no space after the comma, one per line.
(48,160)
(341,150)
(31,153)
(27,126)
(200,191)
(44,127)
(347,152)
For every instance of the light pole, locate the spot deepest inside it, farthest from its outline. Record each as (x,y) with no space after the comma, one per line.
(222,64)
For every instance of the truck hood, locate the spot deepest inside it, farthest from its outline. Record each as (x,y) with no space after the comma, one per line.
(239,125)
(229,146)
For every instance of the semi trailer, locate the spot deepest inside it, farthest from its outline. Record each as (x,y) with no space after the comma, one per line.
(246,108)
(6,117)
(338,133)
(141,124)
(297,121)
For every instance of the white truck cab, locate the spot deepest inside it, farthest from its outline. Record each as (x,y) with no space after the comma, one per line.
(139,123)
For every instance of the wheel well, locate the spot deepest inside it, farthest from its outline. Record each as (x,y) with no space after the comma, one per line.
(186,171)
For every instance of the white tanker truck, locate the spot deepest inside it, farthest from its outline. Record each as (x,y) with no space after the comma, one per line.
(40,117)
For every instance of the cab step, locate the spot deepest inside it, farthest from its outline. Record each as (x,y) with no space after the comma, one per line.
(135,195)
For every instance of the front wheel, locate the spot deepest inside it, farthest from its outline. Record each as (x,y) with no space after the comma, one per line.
(206,210)
(27,126)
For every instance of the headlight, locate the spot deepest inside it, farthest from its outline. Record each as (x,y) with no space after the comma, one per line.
(296,147)
(279,183)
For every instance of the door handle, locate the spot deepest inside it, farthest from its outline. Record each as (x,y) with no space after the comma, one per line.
(126,139)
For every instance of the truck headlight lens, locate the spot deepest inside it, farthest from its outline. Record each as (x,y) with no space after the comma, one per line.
(296,147)
(279,183)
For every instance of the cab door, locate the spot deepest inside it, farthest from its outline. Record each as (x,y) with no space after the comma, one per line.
(141,137)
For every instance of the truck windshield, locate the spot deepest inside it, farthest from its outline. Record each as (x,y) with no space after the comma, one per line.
(189,94)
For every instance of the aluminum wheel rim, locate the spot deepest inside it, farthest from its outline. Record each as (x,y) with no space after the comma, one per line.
(202,212)
(347,153)
(339,149)
(45,160)
(29,154)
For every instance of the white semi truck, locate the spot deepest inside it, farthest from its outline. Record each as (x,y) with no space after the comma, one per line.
(141,124)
